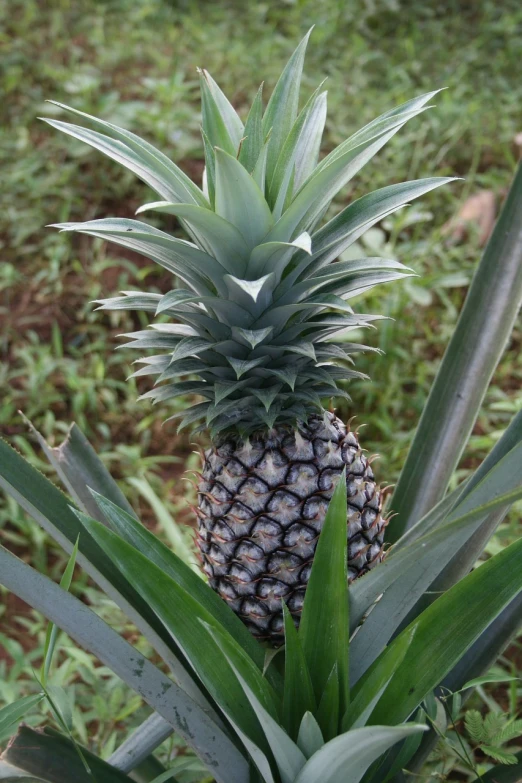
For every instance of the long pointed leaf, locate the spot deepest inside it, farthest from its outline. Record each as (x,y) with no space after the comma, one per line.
(329,712)
(483,328)
(181,258)
(13,713)
(511,438)
(281,111)
(410,594)
(229,114)
(220,122)
(502,773)
(10,774)
(275,256)
(474,663)
(181,615)
(224,240)
(323,630)
(151,165)
(51,509)
(500,480)
(486,650)
(149,545)
(346,758)
(81,470)
(141,743)
(287,755)
(298,696)
(240,201)
(307,127)
(54,757)
(416,558)
(346,227)
(326,181)
(198,729)
(253,134)
(446,630)
(52,631)
(310,737)
(370,688)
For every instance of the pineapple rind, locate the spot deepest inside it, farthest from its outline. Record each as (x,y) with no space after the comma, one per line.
(262,504)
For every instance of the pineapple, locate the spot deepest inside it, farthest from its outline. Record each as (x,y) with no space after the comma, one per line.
(257,327)
(262,506)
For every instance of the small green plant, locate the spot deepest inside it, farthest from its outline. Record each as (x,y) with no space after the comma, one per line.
(260,322)
(491,733)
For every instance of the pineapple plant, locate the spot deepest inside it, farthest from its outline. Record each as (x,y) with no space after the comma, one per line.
(290,518)
(258,330)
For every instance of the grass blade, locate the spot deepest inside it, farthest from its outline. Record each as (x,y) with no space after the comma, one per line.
(52,631)
(17,710)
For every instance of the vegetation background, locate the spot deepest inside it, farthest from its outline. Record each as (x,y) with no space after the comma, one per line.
(135,64)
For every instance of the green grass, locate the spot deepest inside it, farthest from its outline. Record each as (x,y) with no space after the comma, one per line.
(135,64)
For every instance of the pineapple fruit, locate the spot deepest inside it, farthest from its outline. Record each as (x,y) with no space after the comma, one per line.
(257,327)
(262,506)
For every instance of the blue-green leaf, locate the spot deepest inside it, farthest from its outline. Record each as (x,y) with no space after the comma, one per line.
(281,111)
(253,134)
(240,201)
(346,758)
(151,165)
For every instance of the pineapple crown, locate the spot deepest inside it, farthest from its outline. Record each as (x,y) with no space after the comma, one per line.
(259,316)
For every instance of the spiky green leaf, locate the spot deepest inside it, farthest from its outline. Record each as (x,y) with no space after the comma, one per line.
(281,111)
(324,623)
(240,201)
